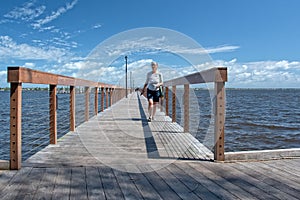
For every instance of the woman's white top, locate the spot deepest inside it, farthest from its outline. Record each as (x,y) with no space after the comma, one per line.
(153,79)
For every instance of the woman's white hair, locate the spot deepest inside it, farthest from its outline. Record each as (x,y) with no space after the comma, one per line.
(154,63)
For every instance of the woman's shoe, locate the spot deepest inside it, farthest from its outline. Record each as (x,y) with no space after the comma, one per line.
(149,119)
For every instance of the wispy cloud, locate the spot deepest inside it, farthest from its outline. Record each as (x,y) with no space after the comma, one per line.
(9,49)
(55,14)
(221,49)
(96,26)
(161,44)
(27,12)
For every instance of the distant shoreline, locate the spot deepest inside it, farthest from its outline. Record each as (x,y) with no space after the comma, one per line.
(46,89)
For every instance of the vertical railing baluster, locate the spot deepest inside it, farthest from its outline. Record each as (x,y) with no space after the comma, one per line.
(96,101)
(87,103)
(174,103)
(186,100)
(15,125)
(111,96)
(72,108)
(106,98)
(53,114)
(102,99)
(167,101)
(219,106)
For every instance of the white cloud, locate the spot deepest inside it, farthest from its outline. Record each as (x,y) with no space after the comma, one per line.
(26,12)
(9,49)
(55,14)
(262,74)
(3,78)
(29,65)
(3,73)
(96,26)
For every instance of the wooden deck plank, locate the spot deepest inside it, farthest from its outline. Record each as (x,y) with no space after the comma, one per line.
(291,166)
(274,174)
(30,186)
(176,185)
(279,169)
(261,183)
(208,183)
(15,184)
(78,186)
(94,184)
(47,184)
(127,186)
(5,178)
(163,189)
(110,184)
(256,187)
(184,146)
(164,143)
(62,184)
(193,185)
(286,168)
(273,180)
(225,183)
(145,187)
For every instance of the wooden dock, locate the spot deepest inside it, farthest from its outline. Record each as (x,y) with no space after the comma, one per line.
(119,155)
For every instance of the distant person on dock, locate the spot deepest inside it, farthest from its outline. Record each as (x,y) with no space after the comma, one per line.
(153,82)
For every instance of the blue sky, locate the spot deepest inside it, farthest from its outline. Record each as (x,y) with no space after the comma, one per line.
(257,40)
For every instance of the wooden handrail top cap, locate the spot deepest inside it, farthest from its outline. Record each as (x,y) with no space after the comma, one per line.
(26,75)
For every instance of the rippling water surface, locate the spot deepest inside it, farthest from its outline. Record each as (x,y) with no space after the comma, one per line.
(255,119)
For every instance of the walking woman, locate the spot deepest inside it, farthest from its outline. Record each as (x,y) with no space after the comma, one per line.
(153,81)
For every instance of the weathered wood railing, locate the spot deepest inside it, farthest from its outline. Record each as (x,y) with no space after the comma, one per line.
(18,75)
(218,76)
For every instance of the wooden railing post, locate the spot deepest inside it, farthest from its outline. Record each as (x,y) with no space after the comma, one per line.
(87,103)
(53,114)
(106,98)
(186,101)
(15,125)
(219,121)
(161,104)
(167,101)
(110,96)
(102,99)
(72,108)
(174,103)
(96,101)
(119,94)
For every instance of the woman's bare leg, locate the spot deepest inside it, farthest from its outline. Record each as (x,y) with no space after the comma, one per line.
(154,109)
(150,108)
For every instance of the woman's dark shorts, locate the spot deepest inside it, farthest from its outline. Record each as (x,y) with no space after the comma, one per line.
(153,95)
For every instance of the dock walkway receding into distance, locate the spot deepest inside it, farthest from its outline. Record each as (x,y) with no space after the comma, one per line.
(119,155)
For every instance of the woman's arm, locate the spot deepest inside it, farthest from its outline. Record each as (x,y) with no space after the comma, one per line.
(144,88)
(145,85)
(161,82)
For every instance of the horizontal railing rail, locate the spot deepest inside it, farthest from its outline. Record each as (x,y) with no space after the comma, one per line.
(16,76)
(206,76)
(25,75)
(218,76)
